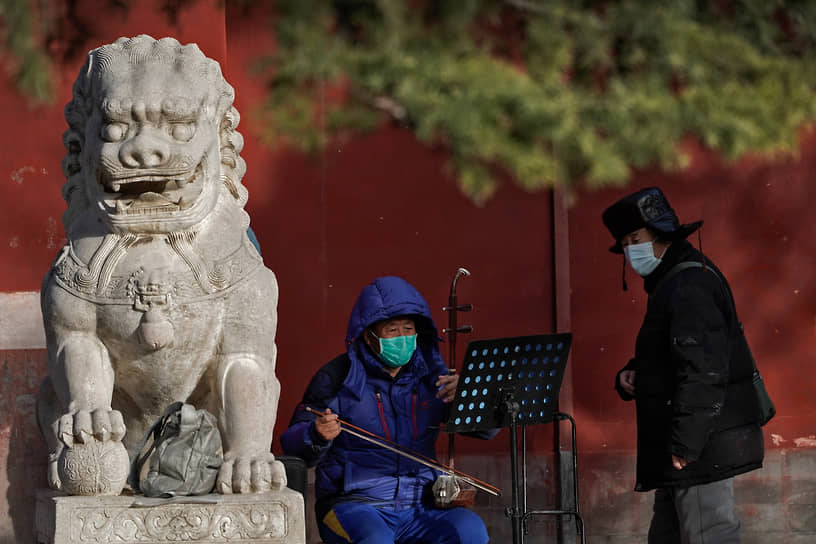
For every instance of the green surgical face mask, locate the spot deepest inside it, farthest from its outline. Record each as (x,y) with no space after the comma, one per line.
(397,351)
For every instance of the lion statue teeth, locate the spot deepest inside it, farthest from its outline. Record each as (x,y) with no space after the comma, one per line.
(158,296)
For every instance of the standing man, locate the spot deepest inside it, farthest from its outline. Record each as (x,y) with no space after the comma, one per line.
(697,413)
(392,382)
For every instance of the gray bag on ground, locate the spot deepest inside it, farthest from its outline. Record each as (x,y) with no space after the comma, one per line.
(185,454)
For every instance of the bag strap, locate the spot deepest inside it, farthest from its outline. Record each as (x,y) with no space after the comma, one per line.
(137,461)
(679,267)
(187,416)
(676,269)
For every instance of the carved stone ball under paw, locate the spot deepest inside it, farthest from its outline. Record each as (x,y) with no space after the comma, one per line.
(95,468)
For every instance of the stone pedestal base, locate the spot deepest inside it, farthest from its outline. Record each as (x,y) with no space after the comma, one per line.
(271,518)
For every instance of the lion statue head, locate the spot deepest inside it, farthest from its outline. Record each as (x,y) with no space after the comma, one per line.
(152,145)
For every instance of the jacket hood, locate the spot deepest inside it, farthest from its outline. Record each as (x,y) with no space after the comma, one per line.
(384,298)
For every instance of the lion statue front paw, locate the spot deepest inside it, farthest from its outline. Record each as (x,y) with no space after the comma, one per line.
(250,474)
(90,459)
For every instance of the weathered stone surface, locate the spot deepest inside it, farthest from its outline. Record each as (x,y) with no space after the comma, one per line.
(21,321)
(159,295)
(761,517)
(271,518)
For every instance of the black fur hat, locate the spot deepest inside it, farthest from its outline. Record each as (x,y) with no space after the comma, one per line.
(647,208)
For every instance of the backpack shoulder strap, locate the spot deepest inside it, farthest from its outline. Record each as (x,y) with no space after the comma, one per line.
(137,460)
(338,369)
(329,379)
(673,271)
(679,267)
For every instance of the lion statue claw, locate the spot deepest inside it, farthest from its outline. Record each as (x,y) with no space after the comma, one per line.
(83,426)
(158,295)
(253,474)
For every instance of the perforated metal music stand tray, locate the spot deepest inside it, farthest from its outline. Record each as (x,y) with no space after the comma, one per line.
(528,367)
(512,382)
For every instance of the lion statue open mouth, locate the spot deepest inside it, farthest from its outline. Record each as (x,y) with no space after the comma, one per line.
(158,296)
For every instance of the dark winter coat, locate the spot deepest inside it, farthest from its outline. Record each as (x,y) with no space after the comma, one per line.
(403,409)
(693,373)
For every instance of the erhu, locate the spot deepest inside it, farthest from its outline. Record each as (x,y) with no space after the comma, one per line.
(465,497)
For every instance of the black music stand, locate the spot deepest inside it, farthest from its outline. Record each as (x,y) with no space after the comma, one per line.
(512,382)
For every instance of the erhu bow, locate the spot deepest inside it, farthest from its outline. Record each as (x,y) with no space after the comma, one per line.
(372,438)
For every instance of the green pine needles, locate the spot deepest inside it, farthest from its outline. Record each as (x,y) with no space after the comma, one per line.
(548,91)
(24,59)
(542,92)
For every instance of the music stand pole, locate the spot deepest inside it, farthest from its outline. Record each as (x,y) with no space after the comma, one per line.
(511,407)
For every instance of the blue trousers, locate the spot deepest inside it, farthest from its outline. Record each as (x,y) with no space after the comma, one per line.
(363,523)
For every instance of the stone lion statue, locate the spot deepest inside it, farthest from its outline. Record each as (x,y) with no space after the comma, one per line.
(159,295)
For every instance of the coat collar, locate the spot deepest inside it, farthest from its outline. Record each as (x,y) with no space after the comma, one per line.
(678,251)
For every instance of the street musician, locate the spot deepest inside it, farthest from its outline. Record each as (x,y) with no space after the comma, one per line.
(392,383)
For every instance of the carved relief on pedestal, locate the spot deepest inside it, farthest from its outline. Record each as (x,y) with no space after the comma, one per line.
(159,295)
(259,518)
(182,523)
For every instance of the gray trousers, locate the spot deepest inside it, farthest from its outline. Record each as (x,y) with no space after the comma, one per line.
(700,514)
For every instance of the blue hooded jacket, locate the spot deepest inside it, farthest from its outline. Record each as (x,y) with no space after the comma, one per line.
(403,409)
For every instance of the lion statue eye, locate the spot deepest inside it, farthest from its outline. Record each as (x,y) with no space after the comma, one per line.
(113,132)
(183,132)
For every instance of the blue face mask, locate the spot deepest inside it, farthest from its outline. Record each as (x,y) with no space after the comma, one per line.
(642,258)
(397,351)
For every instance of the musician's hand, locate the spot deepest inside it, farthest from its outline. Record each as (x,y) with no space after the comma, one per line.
(446,489)
(627,381)
(678,462)
(447,384)
(327,426)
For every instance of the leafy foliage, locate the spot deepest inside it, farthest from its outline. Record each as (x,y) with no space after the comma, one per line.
(555,91)
(547,91)
(28,63)
(39,34)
